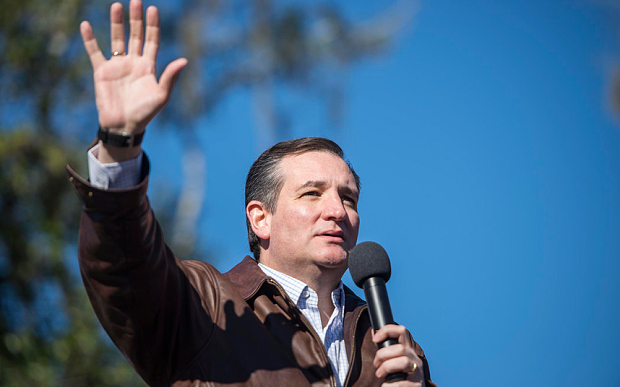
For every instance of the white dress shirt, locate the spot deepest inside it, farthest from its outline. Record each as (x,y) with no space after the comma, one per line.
(125,174)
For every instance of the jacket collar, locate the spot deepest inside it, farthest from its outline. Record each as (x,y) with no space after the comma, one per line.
(247,277)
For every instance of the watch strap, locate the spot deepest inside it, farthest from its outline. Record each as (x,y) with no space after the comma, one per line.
(123,140)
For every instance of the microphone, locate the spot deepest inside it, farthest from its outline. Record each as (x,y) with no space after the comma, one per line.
(369,266)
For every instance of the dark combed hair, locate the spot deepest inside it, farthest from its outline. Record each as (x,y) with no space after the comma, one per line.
(264,180)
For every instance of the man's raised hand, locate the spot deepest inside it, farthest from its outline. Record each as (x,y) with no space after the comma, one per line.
(127,92)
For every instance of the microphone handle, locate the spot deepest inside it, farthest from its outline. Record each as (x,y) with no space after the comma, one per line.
(381,315)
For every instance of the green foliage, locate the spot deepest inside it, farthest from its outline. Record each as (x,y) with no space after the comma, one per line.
(49,335)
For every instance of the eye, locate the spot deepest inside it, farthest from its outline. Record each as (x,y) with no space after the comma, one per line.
(311,193)
(350,200)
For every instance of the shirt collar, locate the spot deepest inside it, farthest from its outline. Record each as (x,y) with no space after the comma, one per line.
(294,288)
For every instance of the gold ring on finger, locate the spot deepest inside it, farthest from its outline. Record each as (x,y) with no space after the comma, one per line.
(118,53)
(415,367)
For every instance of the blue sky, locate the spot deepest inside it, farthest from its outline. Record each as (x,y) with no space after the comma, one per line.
(490,165)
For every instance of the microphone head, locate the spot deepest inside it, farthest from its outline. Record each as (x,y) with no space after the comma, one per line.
(369,259)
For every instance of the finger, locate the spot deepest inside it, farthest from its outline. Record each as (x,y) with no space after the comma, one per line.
(136,27)
(151,44)
(91,46)
(391,352)
(398,364)
(391,331)
(117,29)
(402,383)
(170,75)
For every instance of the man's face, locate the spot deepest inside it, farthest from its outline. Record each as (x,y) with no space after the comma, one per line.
(315,222)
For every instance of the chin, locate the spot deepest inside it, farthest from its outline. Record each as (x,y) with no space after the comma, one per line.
(334,259)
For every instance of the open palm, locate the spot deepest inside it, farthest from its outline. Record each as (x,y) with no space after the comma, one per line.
(127,92)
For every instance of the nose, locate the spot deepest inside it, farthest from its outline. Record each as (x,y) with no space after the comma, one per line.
(334,209)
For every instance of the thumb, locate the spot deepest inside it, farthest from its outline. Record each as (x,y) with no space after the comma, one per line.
(170,75)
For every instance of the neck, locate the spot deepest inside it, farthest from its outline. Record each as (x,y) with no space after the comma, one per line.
(322,280)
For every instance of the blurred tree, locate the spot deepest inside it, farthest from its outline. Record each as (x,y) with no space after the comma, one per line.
(49,335)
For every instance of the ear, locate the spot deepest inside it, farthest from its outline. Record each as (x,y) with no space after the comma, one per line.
(260,219)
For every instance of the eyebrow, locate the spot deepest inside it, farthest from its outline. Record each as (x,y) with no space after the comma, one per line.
(322,184)
(314,184)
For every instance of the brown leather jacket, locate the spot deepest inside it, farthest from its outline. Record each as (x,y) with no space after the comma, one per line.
(183,323)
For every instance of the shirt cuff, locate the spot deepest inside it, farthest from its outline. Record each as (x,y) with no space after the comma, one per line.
(125,174)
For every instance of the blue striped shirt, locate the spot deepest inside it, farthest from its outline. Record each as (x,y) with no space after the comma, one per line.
(307,301)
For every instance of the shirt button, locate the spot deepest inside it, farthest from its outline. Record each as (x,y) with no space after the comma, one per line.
(305,293)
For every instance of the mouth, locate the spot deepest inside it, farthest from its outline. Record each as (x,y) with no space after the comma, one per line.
(335,235)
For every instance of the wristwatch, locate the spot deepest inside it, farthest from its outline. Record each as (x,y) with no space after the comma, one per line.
(123,140)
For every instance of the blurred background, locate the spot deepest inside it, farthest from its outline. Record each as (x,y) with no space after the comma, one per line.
(486,134)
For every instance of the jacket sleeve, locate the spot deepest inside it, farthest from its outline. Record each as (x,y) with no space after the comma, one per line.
(141,293)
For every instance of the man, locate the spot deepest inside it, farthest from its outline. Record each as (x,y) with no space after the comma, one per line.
(283,318)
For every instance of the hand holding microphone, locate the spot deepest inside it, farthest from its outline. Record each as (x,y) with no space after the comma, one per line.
(370,268)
